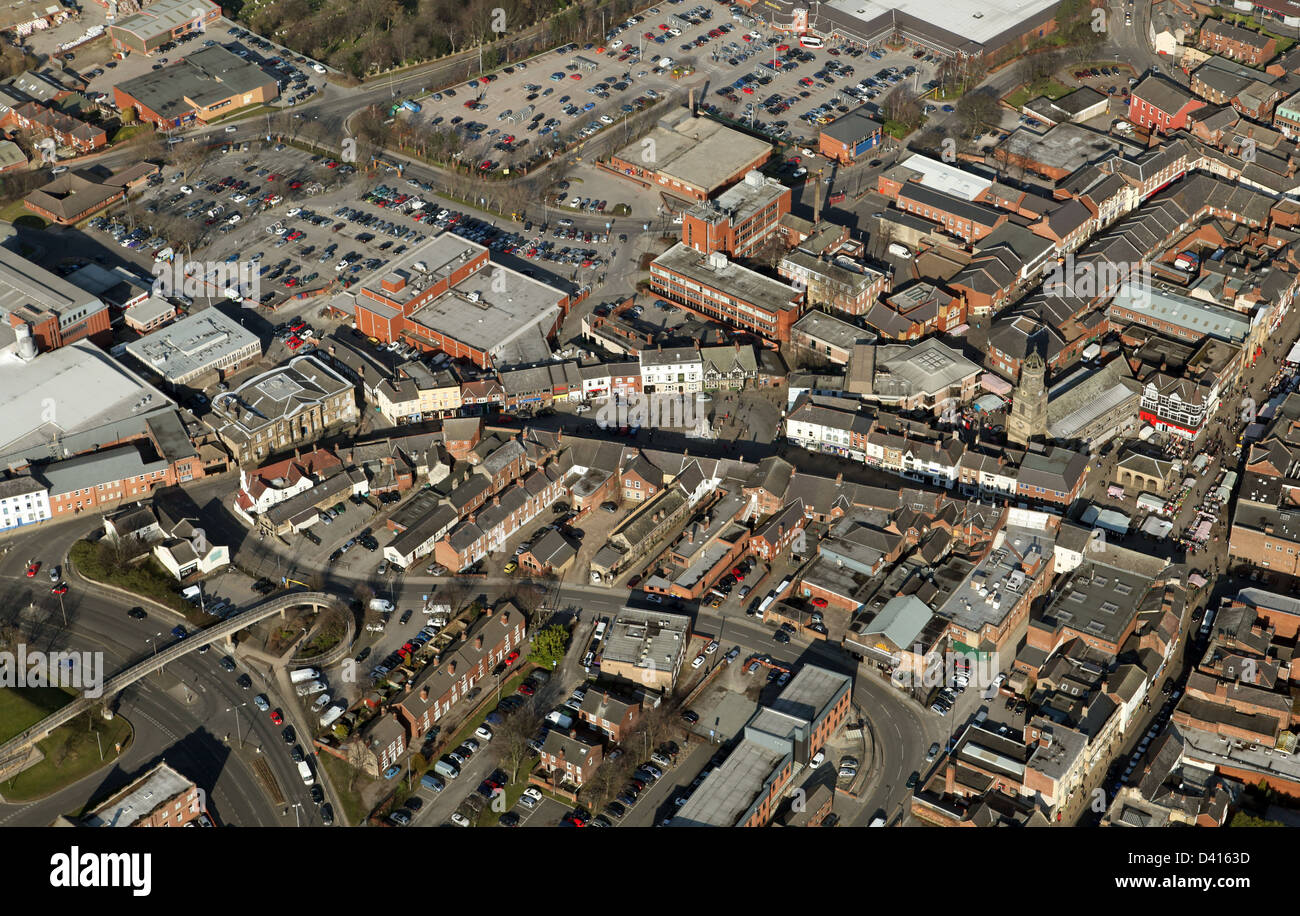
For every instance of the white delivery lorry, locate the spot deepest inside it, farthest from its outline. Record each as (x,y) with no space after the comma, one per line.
(331,716)
(382,605)
(303,674)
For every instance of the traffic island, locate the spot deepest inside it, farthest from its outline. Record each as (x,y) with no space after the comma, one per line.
(68,754)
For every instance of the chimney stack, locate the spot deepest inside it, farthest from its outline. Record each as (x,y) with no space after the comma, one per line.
(478,643)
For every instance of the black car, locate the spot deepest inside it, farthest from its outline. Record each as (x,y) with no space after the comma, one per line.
(509,819)
(326,815)
(227,663)
(781,636)
(913,779)
(317,795)
(414,803)
(690,717)
(405,618)
(362,655)
(137,613)
(615,810)
(289,735)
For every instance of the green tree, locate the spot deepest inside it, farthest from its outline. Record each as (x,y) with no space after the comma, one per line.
(549,646)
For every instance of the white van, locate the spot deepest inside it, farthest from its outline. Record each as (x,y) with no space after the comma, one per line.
(331,716)
(304,770)
(899,251)
(382,605)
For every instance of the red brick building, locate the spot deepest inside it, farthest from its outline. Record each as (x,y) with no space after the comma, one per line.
(1236,43)
(740,220)
(718,289)
(1161,105)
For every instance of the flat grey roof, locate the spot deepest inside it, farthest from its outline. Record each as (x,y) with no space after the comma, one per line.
(646,639)
(75,389)
(193,345)
(833,330)
(718,272)
(810,692)
(699,152)
(743,200)
(993,587)
(970,20)
(162,16)
(140,799)
(495,310)
(730,790)
(23,283)
(927,367)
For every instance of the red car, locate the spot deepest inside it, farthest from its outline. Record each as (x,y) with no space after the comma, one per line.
(631,583)
(276,717)
(33,567)
(331,164)
(295,185)
(663,27)
(738,573)
(294,343)
(59,589)
(819,602)
(783,47)
(527,689)
(575,76)
(512,657)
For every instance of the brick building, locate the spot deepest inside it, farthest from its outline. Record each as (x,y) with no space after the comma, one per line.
(721,290)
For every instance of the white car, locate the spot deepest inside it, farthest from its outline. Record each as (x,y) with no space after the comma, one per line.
(699,660)
(186,189)
(711,647)
(459,819)
(231,129)
(818,759)
(483,732)
(234,218)
(533,793)
(606,119)
(616,43)
(318,68)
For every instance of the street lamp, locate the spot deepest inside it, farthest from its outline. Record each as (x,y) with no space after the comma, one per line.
(235,710)
(297,819)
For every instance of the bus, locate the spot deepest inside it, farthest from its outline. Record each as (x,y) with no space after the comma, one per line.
(810,41)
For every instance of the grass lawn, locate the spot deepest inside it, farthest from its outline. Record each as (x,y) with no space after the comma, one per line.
(146,578)
(127,131)
(1050,88)
(474,721)
(71,752)
(23,707)
(354,810)
(15,209)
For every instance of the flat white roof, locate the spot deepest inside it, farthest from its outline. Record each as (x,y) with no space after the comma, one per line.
(66,391)
(943,177)
(977,20)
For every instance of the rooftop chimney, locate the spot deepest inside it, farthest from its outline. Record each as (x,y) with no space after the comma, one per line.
(478,643)
(424,693)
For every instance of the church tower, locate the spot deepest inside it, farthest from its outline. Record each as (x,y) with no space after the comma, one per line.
(1028,417)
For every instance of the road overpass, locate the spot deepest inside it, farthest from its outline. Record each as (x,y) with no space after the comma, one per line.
(15,752)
